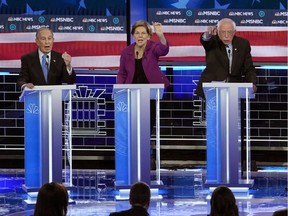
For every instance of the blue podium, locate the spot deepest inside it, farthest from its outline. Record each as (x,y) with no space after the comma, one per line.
(223,109)
(132,132)
(44,134)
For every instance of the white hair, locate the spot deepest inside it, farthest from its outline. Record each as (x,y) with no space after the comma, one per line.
(220,22)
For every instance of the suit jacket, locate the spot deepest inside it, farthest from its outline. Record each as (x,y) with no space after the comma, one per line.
(153,51)
(134,211)
(31,71)
(217,62)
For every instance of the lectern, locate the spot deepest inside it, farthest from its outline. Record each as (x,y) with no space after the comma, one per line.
(223,118)
(132,132)
(43,134)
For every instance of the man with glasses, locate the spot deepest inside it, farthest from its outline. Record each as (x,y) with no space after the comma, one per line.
(228,57)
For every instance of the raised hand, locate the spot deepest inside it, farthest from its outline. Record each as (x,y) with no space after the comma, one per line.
(159,32)
(212,30)
(67,59)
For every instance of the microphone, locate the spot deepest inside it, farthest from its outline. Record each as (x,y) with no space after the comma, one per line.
(137,53)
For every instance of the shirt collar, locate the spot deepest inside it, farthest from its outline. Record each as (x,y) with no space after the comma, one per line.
(41,54)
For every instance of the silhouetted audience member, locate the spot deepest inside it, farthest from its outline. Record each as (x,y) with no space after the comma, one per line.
(52,200)
(282,212)
(223,202)
(139,199)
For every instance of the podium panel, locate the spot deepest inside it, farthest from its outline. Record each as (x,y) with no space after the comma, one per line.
(43,133)
(223,133)
(132,131)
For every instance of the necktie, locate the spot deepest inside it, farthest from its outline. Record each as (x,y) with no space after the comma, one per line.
(229,52)
(45,66)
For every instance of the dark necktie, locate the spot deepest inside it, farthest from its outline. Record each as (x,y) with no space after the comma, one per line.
(229,52)
(45,66)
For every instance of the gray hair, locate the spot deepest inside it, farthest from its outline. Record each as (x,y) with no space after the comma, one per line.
(220,22)
(41,29)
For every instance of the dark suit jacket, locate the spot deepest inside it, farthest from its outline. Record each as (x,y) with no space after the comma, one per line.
(134,211)
(217,63)
(153,51)
(31,71)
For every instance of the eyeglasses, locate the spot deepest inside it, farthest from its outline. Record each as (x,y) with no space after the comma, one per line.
(226,33)
(140,34)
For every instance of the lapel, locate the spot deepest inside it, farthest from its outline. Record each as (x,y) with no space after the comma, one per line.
(53,62)
(131,57)
(223,55)
(148,46)
(234,53)
(147,53)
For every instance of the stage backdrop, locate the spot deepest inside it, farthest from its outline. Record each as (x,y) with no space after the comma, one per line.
(262,22)
(94,31)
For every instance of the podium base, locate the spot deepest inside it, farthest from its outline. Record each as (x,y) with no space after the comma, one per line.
(124,194)
(153,184)
(32,193)
(124,191)
(239,192)
(30,189)
(241,183)
(32,202)
(36,189)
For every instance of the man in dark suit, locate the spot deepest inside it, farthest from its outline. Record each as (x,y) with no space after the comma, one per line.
(58,65)
(228,56)
(139,199)
(228,59)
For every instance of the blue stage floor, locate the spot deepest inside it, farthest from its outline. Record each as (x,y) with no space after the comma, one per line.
(183,192)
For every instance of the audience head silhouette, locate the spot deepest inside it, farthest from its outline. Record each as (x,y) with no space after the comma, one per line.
(223,202)
(140,195)
(282,212)
(52,200)
(139,199)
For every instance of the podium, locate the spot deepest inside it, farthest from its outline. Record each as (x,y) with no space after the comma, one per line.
(132,132)
(223,118)
(43,135)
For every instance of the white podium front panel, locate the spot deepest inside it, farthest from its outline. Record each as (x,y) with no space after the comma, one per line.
(223,107)
(43,133)
(132,131)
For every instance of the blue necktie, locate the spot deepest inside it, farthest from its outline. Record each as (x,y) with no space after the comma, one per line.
(45,66)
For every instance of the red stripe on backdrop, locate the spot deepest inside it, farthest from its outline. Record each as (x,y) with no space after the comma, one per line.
(91,48)
(193,59)
(274,38)
(201,59)
(278,38)
(14,51)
